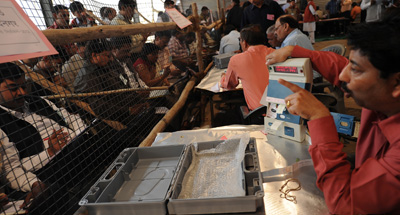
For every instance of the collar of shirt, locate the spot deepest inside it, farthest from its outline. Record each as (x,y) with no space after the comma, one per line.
(234,33)
(121,17)
(290,35)
(265,4)
(390,127)
(254,48)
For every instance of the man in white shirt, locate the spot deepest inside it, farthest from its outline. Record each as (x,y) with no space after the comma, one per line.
(287,32)
(36,129)
(375,9)
(163,17)
(230,42)
(71,68)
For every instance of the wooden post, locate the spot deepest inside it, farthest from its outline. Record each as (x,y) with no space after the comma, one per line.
(197,29)
(152,11)
(95,17)
(39,79)
(183,10)
(219,9)
(67,36)
(222,18)
(163,123)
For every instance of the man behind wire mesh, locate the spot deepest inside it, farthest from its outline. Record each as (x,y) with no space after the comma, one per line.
(34,129)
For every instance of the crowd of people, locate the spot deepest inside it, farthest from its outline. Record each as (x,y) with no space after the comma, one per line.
(33,129)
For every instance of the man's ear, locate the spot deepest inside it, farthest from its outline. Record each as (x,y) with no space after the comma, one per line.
(245,44)
(46,58)
(286,26)
(93,58)
(396,89)
(54,16)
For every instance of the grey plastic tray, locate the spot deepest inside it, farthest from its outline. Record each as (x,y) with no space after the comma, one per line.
(249,203)
(136,183)
(148,181)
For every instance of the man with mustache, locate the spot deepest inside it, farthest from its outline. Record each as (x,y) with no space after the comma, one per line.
(34,130)
(372,78)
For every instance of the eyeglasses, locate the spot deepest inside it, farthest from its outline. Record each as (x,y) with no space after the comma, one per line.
(276,27)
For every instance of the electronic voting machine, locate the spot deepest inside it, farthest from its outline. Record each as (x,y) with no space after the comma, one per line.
(278,120)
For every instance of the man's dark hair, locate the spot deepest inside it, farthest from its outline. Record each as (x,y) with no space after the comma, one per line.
(168,2)
(246,4)
(149,48)
(190,34)
(289,20)
(108,11)
(118,42)
(58,8)
(175,32)
(10,71)
(76,6)
(96,46)
(253,35)
(126,3)
(204,8)
(81,44)
(379,42)
(161,34)
(353,4)
(102,9)
(228,29)
(237,2)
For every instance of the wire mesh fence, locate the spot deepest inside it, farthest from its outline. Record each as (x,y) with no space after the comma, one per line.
(64,118)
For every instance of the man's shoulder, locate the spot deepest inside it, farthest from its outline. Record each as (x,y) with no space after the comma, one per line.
(248,9)
(225,38)
(118,21)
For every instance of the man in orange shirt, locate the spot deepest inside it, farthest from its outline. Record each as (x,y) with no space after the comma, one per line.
(355,13)
(249,66)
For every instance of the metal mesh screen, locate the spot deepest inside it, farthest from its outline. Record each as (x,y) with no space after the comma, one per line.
(66,117)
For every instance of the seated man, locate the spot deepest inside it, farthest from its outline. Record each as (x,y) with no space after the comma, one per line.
(145,65)
(205,16)
(287,32)
(178,48)
(272,40)
(109,14)
(49,129)
(82,19)
(71,68)
(49,67)
(61,17)
(61,21)
(164,59)
(371,77)
(121,49)
(191,44)
(124,17)
(230,42)
(249,66)
(99,74)
(38,189)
